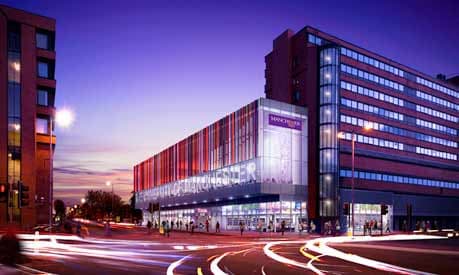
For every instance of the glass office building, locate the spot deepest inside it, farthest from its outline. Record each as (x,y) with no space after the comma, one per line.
(249,166)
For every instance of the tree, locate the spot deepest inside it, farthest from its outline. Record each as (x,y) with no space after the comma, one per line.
(136,214)
(59,207)
(99,204)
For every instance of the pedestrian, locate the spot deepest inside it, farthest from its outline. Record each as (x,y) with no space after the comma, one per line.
(260,226)
(404,226)
(388,228)
(207,226)
(10,249)
(192,227)
(180,225)
(376,226)
(283,227)
(186,226)
(172,225)
(149,227)
(217,227)
(312,227)
(156,225)
(241,227)
(168,229)
(337,228)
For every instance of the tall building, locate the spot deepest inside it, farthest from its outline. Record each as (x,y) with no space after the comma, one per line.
(249,167)
(27,91)
(404,124)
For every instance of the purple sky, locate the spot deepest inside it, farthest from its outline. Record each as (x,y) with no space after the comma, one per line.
(141,75)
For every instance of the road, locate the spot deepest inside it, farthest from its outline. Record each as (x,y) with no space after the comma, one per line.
(133,251)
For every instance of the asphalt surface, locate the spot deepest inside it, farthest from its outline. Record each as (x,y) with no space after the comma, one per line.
(134,251)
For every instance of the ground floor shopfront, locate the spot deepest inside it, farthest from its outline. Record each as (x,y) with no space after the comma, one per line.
(264,216)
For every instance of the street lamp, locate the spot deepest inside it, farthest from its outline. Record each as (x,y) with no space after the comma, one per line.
(108,183)
(341,135)
(63,118)
(83,200)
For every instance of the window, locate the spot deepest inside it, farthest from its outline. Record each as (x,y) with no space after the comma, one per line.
(42,41)
(43,69)
(42,126)
(42,97)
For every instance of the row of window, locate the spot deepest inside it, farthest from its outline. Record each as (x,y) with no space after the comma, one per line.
(371,109)
(372,77)
(346,173)
(436,113)
(436,127)
(374,141)
(435,153)
(372,62)
(371,93)
(314,39)
(396,131)
(437,100)
(437,87)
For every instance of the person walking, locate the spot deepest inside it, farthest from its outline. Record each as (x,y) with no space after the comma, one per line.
(172,225)
(337,228)
(149,227)
(312,227)
(168,229)
(207,226)
(217,227)
(282,227)
(241,227)
(192,227)
(186,226)
(180,225)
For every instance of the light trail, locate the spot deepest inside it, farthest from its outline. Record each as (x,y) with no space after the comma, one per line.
(214,265)
(271,254)
(320,246)
(174,265)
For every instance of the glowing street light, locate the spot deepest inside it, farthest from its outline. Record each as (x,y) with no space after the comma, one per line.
(63,118)
(83,200)
(108,183)
(341,135)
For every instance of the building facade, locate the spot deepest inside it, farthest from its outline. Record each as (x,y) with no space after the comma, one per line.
(27,91)
(404,124)
(249,166)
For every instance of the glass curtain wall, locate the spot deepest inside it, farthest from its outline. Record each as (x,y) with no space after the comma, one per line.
(14,117)
(328,130)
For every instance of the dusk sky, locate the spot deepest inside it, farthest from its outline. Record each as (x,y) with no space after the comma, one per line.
(141,75)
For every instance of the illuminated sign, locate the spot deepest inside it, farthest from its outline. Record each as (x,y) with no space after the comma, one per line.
(284,122)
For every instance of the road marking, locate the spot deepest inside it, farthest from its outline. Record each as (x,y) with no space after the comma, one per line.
(307,255)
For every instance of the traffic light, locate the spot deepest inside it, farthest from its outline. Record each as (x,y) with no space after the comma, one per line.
(384,209)
(23,194)
(346,209)
(3,192)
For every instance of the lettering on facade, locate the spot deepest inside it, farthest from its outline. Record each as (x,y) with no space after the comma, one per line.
(284,122)
(244,173)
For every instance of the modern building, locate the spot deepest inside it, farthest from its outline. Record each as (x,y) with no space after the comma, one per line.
(249,166)
(404,124)
(27,91)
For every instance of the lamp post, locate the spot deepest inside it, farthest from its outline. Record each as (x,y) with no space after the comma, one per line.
(108,183)
(63,118)
(341,135)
